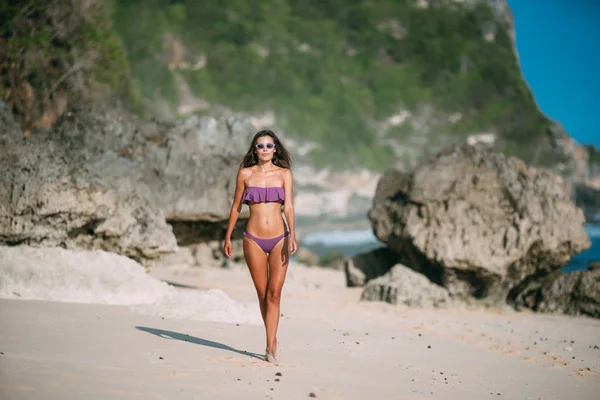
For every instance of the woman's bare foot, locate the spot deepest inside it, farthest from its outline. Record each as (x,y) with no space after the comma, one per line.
(270,358)
(271,354)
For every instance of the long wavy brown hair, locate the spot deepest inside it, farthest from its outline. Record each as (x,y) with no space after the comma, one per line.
(281,157)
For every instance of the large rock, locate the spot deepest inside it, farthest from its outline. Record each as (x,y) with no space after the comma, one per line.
(187,168)
(49,199)
(363,267)
(107,179)
(576,293)
(477,222)
(401,285)
(307,257)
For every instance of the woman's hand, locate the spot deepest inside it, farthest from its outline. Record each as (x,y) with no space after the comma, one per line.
(227,248)
(293,245)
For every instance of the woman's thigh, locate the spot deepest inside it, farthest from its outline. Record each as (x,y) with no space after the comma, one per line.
(278,262)
(256,259)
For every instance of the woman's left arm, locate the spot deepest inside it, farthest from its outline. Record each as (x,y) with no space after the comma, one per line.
(288,208)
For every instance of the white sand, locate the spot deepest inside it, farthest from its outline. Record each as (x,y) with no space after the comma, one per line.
(332,345)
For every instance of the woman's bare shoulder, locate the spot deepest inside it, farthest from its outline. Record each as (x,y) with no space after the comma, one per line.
(245,173)
(286,172)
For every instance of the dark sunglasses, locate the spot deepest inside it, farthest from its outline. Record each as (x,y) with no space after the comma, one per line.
(262,145)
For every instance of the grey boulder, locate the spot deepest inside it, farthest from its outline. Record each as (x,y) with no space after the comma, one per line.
(363,267)
(402,285)
(106,179)
(477,222)
(575,293)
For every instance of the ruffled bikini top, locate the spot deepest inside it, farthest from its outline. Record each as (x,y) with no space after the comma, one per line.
(257,194)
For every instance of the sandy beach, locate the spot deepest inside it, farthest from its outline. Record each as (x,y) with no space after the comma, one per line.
(402,146)
(332,347)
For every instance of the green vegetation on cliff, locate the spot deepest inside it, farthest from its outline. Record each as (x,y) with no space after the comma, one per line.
(56,53)
(332,71)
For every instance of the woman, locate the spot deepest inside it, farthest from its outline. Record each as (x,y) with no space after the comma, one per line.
(264,183)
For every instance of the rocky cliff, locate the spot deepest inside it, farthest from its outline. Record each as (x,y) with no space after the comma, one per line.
(106,179)
(354,88)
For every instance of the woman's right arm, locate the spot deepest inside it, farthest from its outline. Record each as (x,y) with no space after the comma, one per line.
(236,208)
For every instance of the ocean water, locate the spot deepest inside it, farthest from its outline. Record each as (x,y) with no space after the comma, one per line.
(582,260)
(350,243)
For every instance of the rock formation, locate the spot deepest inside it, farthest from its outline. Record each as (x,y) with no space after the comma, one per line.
(107,179)
(307,257)
(364,267)
(575,293)
(402,285)
(203,255)
(478,223)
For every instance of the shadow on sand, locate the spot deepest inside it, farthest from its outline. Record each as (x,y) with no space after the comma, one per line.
(192,339)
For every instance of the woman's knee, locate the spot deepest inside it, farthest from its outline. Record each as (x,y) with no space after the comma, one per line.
(274,294)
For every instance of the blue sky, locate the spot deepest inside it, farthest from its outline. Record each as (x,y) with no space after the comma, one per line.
(558,42)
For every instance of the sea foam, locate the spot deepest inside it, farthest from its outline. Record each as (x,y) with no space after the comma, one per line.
(99,277)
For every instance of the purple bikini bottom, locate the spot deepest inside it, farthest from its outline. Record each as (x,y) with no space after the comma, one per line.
(266,245)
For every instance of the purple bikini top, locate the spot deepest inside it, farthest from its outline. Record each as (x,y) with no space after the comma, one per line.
(257,194)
